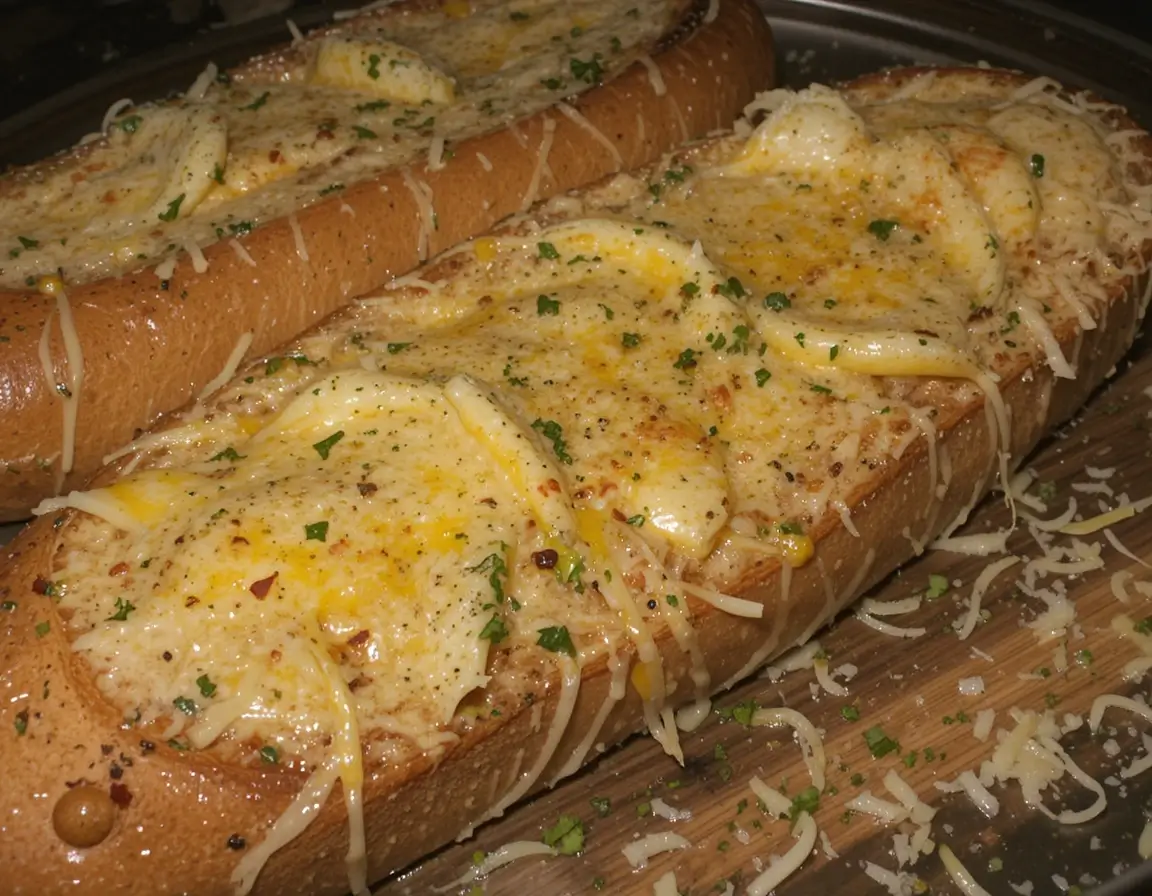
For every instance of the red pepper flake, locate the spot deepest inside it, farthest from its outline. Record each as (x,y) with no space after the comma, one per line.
(262,587)
(41,585)
(359,638)
(119,569)
(239,539)
(546,559)
(120,794)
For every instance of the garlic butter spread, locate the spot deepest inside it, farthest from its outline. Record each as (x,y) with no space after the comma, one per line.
(556,442)
(338,108)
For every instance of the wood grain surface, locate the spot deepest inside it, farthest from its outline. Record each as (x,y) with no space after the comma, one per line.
(910,689)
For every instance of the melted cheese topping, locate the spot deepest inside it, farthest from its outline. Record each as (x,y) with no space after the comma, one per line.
(335,109)
(598,423)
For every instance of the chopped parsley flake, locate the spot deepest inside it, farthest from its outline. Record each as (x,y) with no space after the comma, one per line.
(882,229)
(742,712)
(566,836)
(497,571)
(316,531)
(590,72)
(807,800)
(258,102)
(732,289)
(324,446)
(937,586)
(123,608)
(556,639)
(494,629)
(228,453)
(552,431)
(173,209)
(206,686)
(879,743)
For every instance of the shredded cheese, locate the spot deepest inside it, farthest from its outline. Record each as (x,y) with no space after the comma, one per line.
(960,875)
(573,114)
(781,868)
(569,688)
(204,80)
(886,628)
(666,885)
(979,589)
(241,252)
(230,366)
(425,214)
(655,78)
(199,262)
(298,239)
(670,813)
(979,545)
(734,606)
(811,744)
(532,193)
(639,852)
(498,858)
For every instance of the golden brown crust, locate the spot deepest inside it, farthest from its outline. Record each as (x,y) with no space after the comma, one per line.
(148,349)
(71,734)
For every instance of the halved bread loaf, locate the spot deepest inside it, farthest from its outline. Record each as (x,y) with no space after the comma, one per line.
(564,483)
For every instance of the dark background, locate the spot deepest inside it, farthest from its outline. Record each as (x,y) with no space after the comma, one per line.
(84,55)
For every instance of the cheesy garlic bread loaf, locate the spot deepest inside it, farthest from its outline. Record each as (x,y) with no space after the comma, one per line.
(564,483)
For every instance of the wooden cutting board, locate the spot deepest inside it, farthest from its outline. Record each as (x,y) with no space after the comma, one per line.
(910,689)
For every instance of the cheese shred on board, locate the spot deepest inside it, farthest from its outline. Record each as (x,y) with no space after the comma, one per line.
(566,442)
